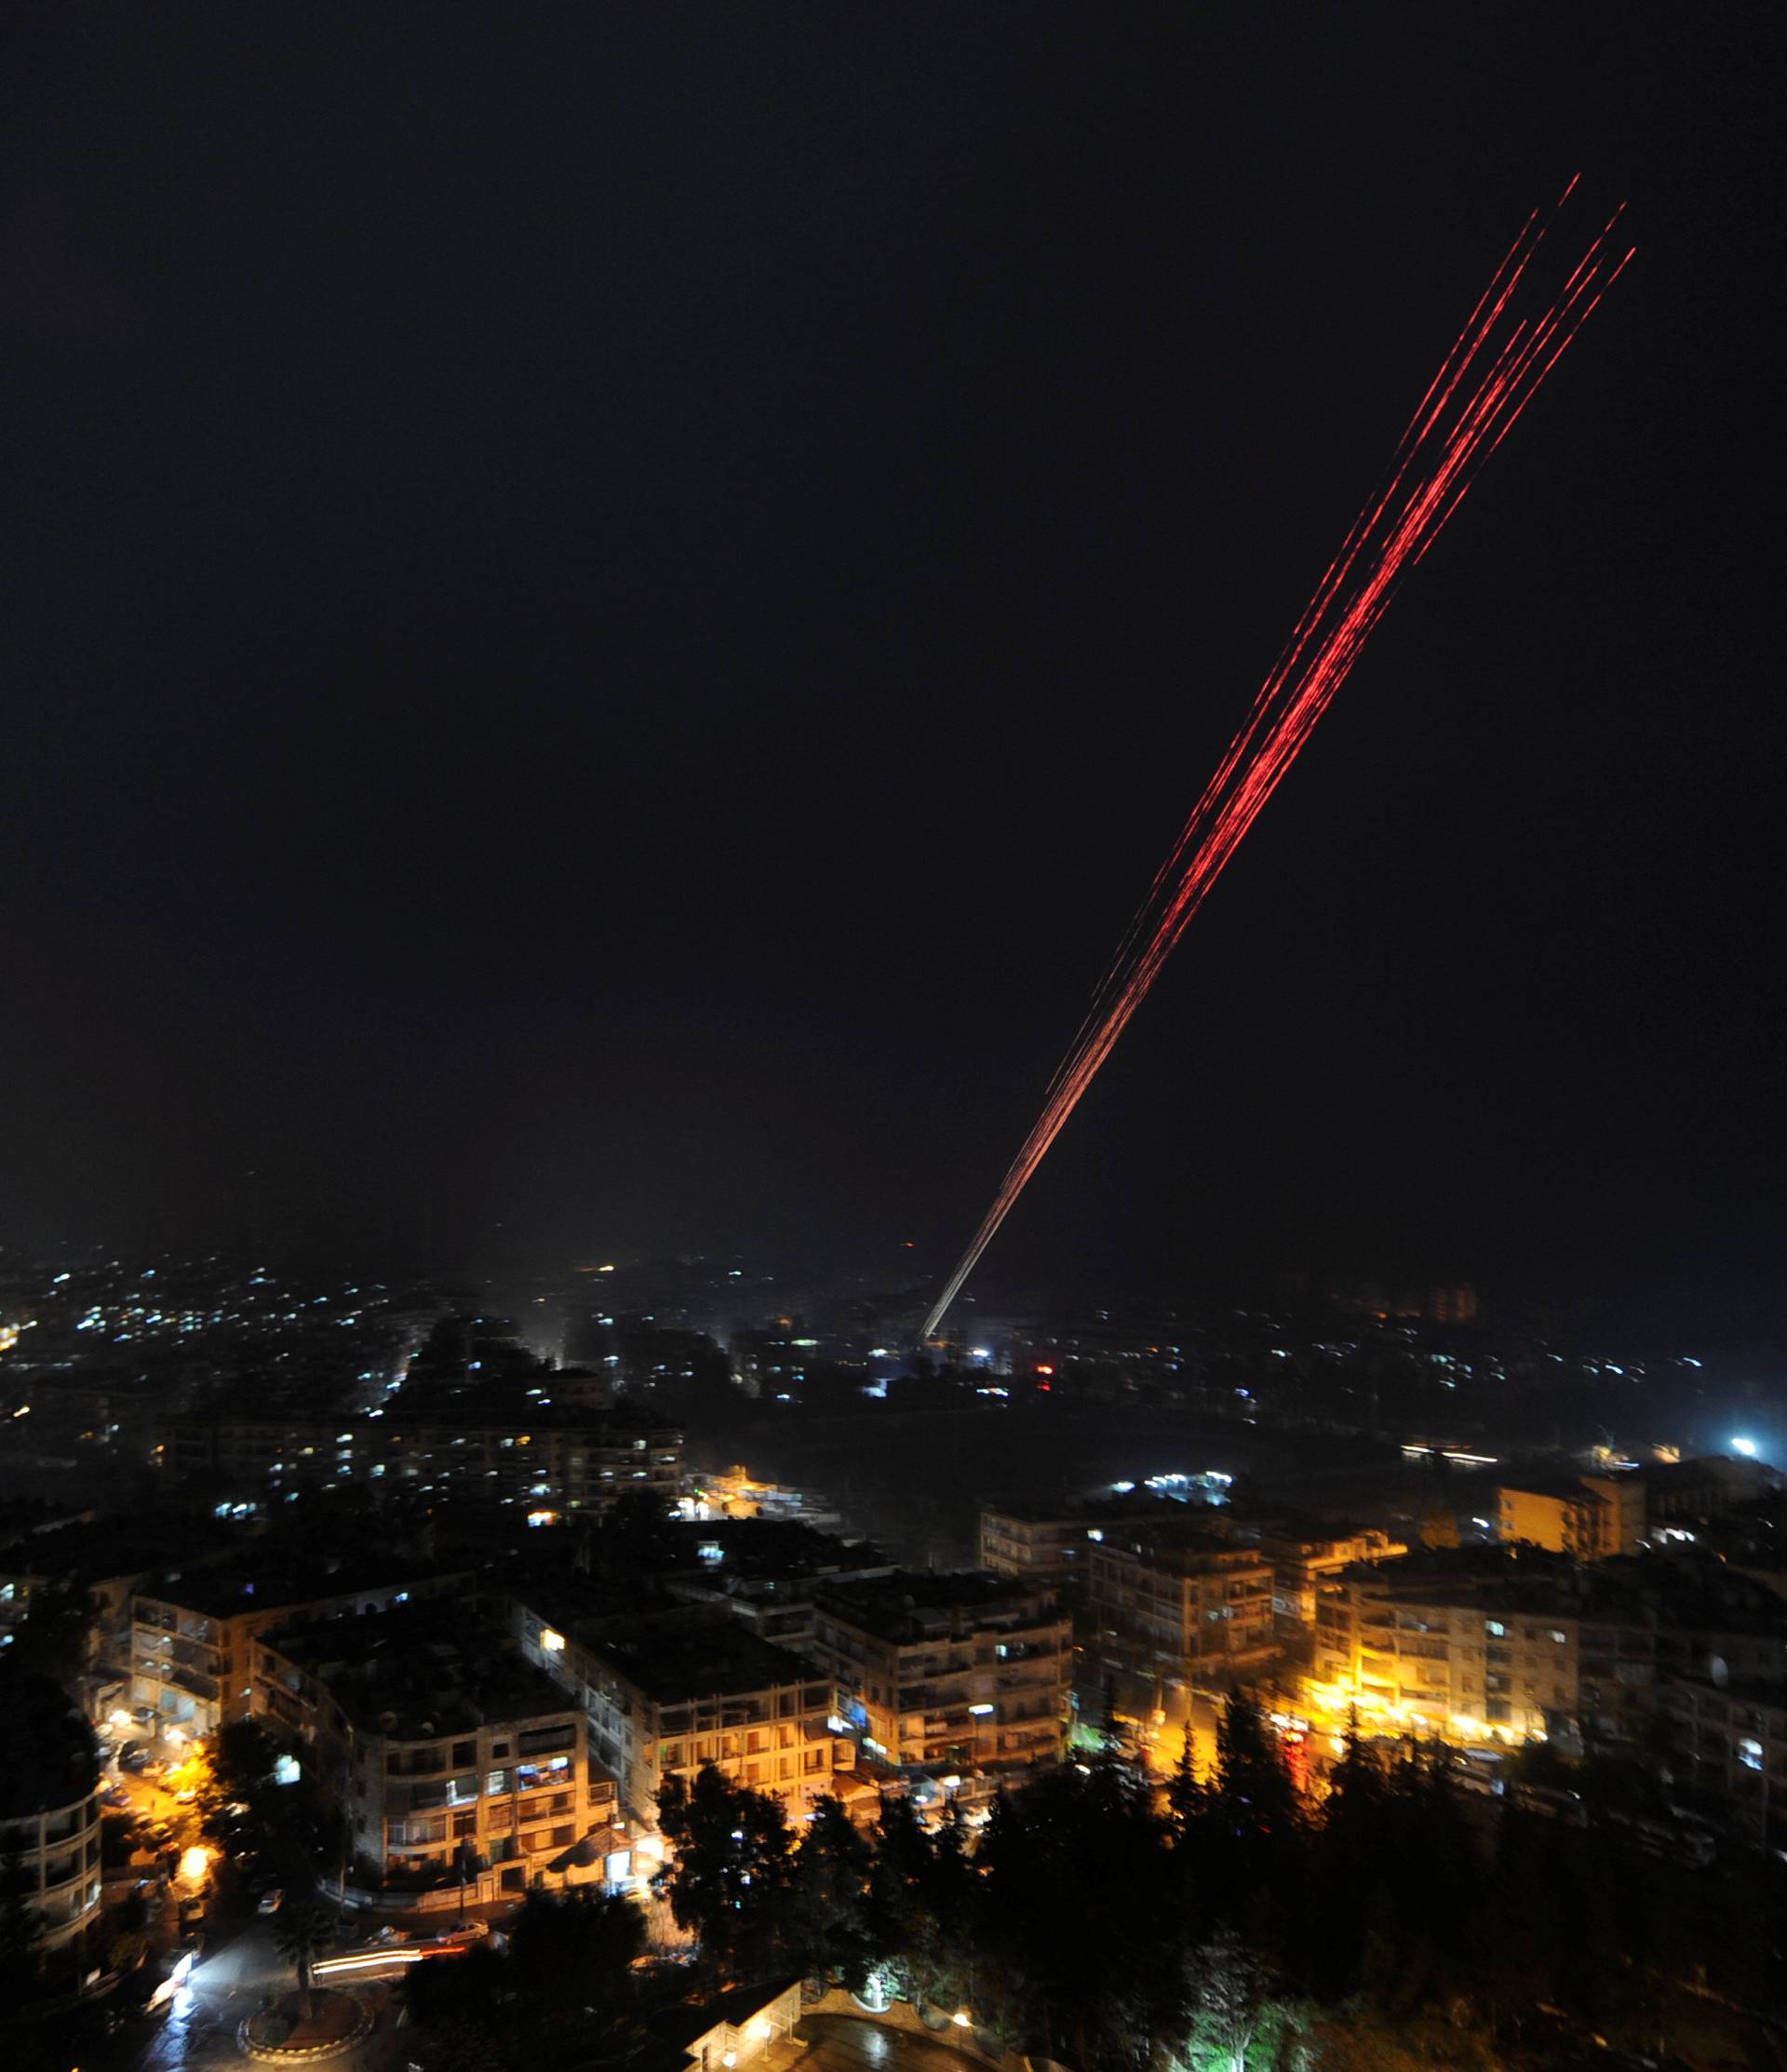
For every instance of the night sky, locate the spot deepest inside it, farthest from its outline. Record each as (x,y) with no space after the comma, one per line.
(608,609)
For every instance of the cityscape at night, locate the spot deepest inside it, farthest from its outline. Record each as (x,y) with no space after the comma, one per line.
(891,1148)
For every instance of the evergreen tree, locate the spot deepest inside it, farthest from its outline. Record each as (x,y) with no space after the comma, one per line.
(731,1881)
(831,1884)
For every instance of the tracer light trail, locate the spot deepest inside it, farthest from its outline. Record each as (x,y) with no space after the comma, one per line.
(1492,372)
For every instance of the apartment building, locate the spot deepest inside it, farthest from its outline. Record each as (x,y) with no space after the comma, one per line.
(1173,1600)
(1510,1644)
(767,1572)
(545,1460)
(675,1688)
(50,1815)
(1044,1544)
(192,1630)
(452,1756)
(958,1672)
(1307,1560)
(1727,1755)
(1432,1659)
(1591,1517)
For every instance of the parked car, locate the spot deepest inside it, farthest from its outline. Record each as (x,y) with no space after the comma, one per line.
(133,1756)
(272,1900)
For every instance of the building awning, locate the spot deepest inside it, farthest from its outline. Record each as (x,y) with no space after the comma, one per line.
(588,1854)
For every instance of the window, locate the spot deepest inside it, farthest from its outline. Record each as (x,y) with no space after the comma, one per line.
(1495,1626)
(464,1823)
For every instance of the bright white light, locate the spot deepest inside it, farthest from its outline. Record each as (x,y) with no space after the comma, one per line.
(1745,1446)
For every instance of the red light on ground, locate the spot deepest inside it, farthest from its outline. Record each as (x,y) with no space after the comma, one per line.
(1044,1387)
(1045,1370)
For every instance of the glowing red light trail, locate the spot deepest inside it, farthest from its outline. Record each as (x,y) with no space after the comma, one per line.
(1432,468)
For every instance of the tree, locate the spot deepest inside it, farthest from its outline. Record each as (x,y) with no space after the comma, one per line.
(301,1933)
(1078,1917)
(831,1884)
(570,1962)
(458,1998)
(1253,1795)
(1232,2014)
(730,1882)
(240,1773)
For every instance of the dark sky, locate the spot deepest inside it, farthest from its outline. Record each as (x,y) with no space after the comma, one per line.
(606,609)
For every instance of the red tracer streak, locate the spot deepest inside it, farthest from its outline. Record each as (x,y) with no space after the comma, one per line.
(1492,372)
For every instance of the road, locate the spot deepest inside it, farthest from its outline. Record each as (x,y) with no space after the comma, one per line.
(842,2043)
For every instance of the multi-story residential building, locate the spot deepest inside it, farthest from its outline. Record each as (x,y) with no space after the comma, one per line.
(1436,1657)
(1727,1755)
(545,1460)
(767,1572)
(949,1672)
(1591,1517)
(1508,1644)
(1044,1544)
(192,1630)
(451,1755)
(1307,1560)
(681,1688)
(50,1814)
(1174,1601)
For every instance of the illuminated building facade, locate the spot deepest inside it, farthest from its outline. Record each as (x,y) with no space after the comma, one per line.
(1181,1602)
(1590,1517)
(957,1671)
(552,1459)
(450,1754)
(676,1690)
(192,1635)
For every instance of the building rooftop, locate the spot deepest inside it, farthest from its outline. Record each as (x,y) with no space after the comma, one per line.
(1680,1591)
(906,1605)
(677,1656)
(287,1575)
(420,1671)
(775,1549)
(1570,1488)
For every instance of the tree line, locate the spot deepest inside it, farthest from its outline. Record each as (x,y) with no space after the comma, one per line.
(1231,1921)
